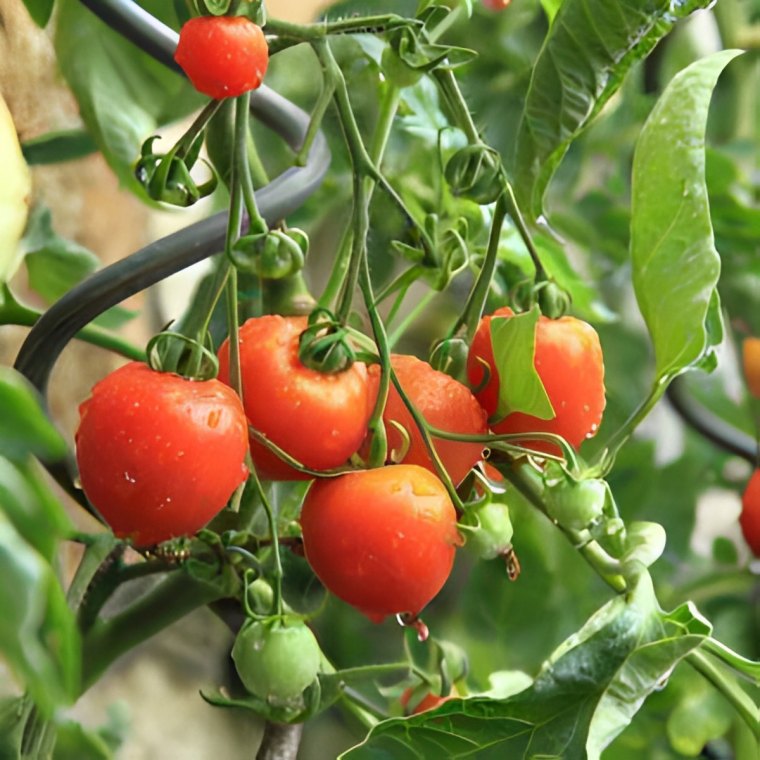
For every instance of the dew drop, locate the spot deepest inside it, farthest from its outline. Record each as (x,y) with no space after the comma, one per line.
(213,418)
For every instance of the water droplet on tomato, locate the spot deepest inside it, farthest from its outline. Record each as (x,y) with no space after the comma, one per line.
(213,418)
(586,408)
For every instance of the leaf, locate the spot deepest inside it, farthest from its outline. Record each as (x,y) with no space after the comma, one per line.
(24,428)
(15,190)
(55,147)
(514,344)
(551,7)
(123,94)
(40,11)
(589,49)
(675,264)
(55,265)
(13,714)
(30,506)
(581,700)
(38,634)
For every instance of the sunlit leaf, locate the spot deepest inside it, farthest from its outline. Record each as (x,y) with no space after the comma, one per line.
(675,264)
(590,48)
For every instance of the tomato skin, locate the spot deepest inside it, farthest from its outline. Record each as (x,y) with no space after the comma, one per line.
(751,365)
(568,359)
(223,56)
(749,520)
(382,540)
(159,455)
(496,5)
(429,702)
(276,661)
(320,419)
(444,403)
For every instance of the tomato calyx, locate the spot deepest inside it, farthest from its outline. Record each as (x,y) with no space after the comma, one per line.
(273,255)
(575,503)
(324,345)
(182,355)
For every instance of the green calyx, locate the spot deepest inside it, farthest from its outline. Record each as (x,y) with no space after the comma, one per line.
(475,172)
(487,528)
(272,255)
(450,356)
(324,344)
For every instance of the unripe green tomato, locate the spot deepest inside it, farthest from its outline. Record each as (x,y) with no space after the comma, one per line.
(276,661)
(491,531)
(575,504)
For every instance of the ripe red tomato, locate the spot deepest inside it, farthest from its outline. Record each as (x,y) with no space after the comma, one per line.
(750,516)
(496,5)
(159,455)
(320,419)
(223,56)
(568,359)
(444,403)
(382,540)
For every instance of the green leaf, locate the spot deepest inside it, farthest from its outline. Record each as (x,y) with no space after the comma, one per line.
(24,428)
(29,505)
(589,49)
(123,94)
(13,715)
(75,742)
(40,10)
(584,696)
(675,264)
(551,7)
(514,345)
(701,716)
(55,147)
(55,265)
(38,634)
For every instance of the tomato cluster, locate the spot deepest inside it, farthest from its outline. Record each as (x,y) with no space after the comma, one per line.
(159,455)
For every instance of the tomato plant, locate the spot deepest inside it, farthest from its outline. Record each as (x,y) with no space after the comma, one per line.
(466,278)
(382,540)
(223,56)
(159,455)
(565,348)
(318,418)
(444,403)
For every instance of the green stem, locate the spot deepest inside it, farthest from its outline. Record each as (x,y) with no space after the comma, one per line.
(449,88)
(734,694)
(476,301)
(204,117)
(92,559)
(606,457)
(528,483)
(13,313)
(320,108)
(748,669)
(376,24)
(275,545)
(168,602)
(516,215)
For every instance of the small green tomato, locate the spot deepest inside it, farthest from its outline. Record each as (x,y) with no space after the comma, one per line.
(488,530)
(276,660)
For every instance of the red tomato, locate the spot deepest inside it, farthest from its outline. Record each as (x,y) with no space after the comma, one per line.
(223,56)
(444,403)
(751,364)
(160,455)
(429,702)
(496,5)
(320,419)
(568,359)
(750,516)
(382,540)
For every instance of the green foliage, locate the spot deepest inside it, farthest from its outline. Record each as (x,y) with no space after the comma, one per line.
(123,94)
(675,264)
(588,51)
(40,10)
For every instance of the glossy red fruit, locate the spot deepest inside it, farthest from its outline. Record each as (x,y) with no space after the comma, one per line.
(444,403)
(750,516)
(223,56)
(568,359)
(382,540)
(160,455)
(429,702)
(320,419)
(751,364)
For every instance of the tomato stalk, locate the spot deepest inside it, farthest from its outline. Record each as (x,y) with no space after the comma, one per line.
(529,483)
